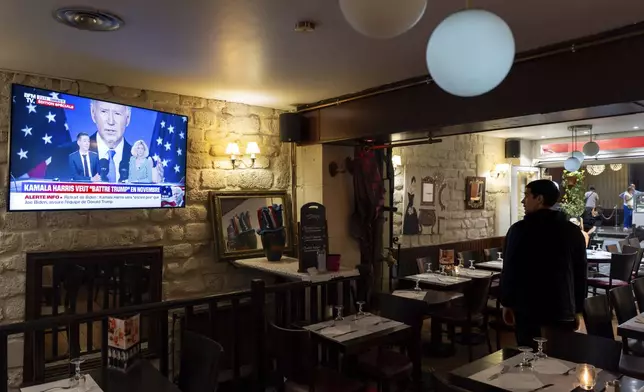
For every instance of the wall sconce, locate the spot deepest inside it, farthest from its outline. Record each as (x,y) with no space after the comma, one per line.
(252,149)
(396,161)
(500,169)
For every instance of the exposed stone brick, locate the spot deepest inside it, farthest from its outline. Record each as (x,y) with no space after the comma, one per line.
(249,179)
(93,88)
(197,231)
(116,217)
(16,262)
(64,219)
(194,213)
(111,237)
(125,92)
(174,233)
(213,179)
(151,234)
(18,221)
(166,98)
(12,283)
(193,102)
(14,308)
(180,250)
(160,215)
(205,119)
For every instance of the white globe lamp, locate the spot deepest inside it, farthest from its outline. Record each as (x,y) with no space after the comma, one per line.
(382,19)
(572,164)
(579,155)
(470,52)
(591,149)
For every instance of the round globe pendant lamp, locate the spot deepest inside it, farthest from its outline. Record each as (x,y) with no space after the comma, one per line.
(382,19)
(591,148)
(470,52)
(579,155)
(572,164)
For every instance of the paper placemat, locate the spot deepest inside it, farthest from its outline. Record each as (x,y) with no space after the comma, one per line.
(475,273)
(411,294)
(349,328)
(90,386)
(549,372)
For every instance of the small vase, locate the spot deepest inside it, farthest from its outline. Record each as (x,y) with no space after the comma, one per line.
(273,242)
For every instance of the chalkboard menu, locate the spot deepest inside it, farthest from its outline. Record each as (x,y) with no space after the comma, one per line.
(313,235)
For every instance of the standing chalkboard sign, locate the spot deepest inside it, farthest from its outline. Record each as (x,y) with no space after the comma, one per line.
(313,235)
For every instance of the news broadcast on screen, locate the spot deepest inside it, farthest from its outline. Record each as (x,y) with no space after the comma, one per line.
(69,152)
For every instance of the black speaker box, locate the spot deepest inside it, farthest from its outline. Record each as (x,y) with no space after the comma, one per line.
(292,127)
(512,148)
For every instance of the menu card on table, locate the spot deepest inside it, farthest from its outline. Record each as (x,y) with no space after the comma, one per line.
(123,340)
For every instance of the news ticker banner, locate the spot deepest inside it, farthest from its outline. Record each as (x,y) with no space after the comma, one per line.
(35,195)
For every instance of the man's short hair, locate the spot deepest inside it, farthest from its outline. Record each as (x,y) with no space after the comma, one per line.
(546,188)
(81,134)
(592,188)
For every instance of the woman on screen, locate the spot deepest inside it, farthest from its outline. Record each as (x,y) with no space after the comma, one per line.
(141,165)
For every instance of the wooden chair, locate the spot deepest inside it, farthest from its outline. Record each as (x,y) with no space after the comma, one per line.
(622,244)
(581,348)
(634,242)
(623,301)
(296,364)
(638,290)
(384,365)
(638,258)
(470,314)
(200,358)
(621,269)
(422,264)
(598,320)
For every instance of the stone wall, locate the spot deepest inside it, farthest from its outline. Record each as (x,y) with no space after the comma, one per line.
(455,158)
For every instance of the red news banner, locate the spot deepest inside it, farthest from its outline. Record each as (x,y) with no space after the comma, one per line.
(88,188)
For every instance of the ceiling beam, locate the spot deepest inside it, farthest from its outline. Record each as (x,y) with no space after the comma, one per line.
(593,77)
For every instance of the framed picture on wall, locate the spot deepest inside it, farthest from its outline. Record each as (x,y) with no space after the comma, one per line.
(428,186)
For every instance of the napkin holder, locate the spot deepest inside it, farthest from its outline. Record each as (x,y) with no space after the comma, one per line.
(124,342)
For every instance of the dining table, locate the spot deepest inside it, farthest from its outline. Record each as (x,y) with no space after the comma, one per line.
(142,377)
(633,328)
(598,256)
(494,265)
(499,371)
(438,281)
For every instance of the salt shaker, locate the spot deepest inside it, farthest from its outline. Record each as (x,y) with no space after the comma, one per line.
(322,260)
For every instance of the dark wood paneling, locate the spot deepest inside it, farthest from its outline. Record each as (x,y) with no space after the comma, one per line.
(408,255)
(566,83)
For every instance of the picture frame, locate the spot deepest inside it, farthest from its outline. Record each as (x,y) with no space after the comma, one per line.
(428,191)
(475,193)
(234,209)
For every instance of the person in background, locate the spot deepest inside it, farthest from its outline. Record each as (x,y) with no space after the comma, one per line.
(629,199)
(585,233)
(592,198)
(83,163)
(543,248)
(141,165)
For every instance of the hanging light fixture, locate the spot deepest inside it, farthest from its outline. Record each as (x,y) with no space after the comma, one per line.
(616,166)
(591,148)
(382,19)
(595,170)
(576,153)
(470,52)
(572,164)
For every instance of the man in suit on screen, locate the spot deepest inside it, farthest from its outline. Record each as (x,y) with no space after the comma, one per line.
(109,142)
(83,164)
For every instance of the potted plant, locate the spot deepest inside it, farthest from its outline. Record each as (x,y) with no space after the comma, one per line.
(573,203)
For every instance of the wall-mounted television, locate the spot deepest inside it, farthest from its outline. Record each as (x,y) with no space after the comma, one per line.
(68,152)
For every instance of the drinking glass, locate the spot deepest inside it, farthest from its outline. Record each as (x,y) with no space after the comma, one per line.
(594,248)
(338,313)
(472,265)
(586,376)
(417,287)
(360,313)
(525,360)
(540,354)
(442,268)
(78,379)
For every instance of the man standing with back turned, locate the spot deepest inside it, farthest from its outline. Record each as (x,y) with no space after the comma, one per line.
(543,283)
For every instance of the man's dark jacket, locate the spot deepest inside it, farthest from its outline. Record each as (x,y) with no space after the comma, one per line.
(544,268)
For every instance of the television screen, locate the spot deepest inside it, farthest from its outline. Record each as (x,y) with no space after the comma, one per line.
(68,152)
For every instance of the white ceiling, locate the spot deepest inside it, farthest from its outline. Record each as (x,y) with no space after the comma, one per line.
(633,123)
(247,51)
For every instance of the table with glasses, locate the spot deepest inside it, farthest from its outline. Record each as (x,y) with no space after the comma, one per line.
(494,265)
(598,256)
(143,377)
(633,328)
(437,281)
(521,370)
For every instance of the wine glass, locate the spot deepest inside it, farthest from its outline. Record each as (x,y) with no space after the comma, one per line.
(461,260)
(360,313)
(472,267)
(78,379)
(525,361)
(499,256)
(540,354)
(442,269)
(428,268)
(338,313)
(593,248)
(417,287)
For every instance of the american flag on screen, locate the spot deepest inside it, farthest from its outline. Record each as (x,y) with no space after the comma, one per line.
(36,131)
(168,146)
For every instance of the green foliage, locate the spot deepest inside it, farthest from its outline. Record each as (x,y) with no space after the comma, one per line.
(573,203)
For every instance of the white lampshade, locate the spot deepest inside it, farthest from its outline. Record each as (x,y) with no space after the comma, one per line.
(382,19)
(591,149)
(232,149)
(579,155)
(470,52)
(252,148)
(396,160)
(572,164)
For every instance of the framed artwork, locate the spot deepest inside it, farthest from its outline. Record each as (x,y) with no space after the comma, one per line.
(475,193)
(428,186)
